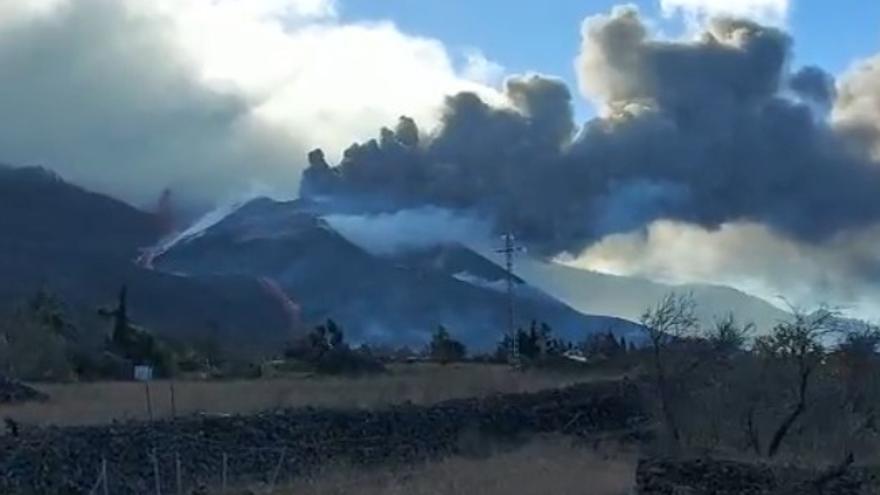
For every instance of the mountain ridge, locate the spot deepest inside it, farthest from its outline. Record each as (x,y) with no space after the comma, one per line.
(83,245)
(379,298)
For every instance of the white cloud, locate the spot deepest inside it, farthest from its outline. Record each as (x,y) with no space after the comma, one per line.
(752,258)
(297,9)
(770,11)
(856,111)
(205,96)
(482,70)
(13,9)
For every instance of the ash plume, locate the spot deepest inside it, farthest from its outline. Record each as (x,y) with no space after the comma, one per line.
(707,132)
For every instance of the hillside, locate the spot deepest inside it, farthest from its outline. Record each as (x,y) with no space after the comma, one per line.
(83,245)
(242,278)
(377,299)
(628,297)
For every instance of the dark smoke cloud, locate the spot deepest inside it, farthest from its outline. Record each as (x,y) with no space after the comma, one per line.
(814,84)
(710,131)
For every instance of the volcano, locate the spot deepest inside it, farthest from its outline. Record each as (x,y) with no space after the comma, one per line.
(255,275)
(381,299)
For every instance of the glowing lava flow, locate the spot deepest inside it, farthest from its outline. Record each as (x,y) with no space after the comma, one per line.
(213,217)
(290,308)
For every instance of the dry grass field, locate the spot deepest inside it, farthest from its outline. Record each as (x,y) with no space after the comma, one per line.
(548,465)
(423,383)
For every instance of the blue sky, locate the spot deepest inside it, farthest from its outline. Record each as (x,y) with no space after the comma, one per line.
(543,36)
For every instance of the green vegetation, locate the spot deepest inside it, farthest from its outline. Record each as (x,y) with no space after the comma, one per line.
(444,349)
(40,340)
(324,350)
(136,345)
(35,340)
(808,387)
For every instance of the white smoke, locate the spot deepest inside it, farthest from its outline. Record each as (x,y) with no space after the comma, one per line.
(841,272)
(425,227)
(203,223)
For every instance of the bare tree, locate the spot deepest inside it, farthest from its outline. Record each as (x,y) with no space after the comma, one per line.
(796,345)
(672,321)
(728,336)
(721,357)
(856,362)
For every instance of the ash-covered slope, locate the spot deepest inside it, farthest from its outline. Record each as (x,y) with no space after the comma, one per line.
(377,299)
(591,292)
(83,245)
(628,297)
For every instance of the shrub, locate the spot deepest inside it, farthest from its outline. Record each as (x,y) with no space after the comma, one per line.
(444,349)
(537,345)
(35,340)
(324,350)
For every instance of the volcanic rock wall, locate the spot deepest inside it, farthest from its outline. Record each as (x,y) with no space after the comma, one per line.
(287,443)
(716,477)
(13,391)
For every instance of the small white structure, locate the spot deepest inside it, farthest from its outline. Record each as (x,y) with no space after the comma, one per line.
(576,355)
(143,373)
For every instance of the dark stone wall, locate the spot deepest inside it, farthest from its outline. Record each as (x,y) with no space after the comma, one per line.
(13,391)
(720,477)
(68,460)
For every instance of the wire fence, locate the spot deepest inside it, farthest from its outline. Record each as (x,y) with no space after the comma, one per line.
(265,469)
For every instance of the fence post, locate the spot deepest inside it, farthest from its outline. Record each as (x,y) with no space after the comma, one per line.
(223,475)
(179,479)
(173,401)
(277,470)
(104,475)
(158,483)
(149,401)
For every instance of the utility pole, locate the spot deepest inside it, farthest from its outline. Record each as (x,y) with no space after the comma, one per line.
(509,251)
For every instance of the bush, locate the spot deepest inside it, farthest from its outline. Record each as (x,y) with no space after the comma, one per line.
(324,351)
(135,344)
(35,340)
(537,345)
(444,349)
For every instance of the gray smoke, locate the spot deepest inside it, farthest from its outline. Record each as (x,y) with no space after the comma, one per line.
(706,132)
(814,84)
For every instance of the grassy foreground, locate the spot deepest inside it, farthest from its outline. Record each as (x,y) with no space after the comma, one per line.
(422,383)
(547,465)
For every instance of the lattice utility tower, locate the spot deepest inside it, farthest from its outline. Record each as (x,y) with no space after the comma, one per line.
(509,251)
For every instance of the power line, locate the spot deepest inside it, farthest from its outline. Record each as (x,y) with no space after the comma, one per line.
(509,251)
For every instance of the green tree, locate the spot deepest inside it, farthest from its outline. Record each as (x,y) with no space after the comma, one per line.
(444,348)
(324,349)
(35,340)
(136,344)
